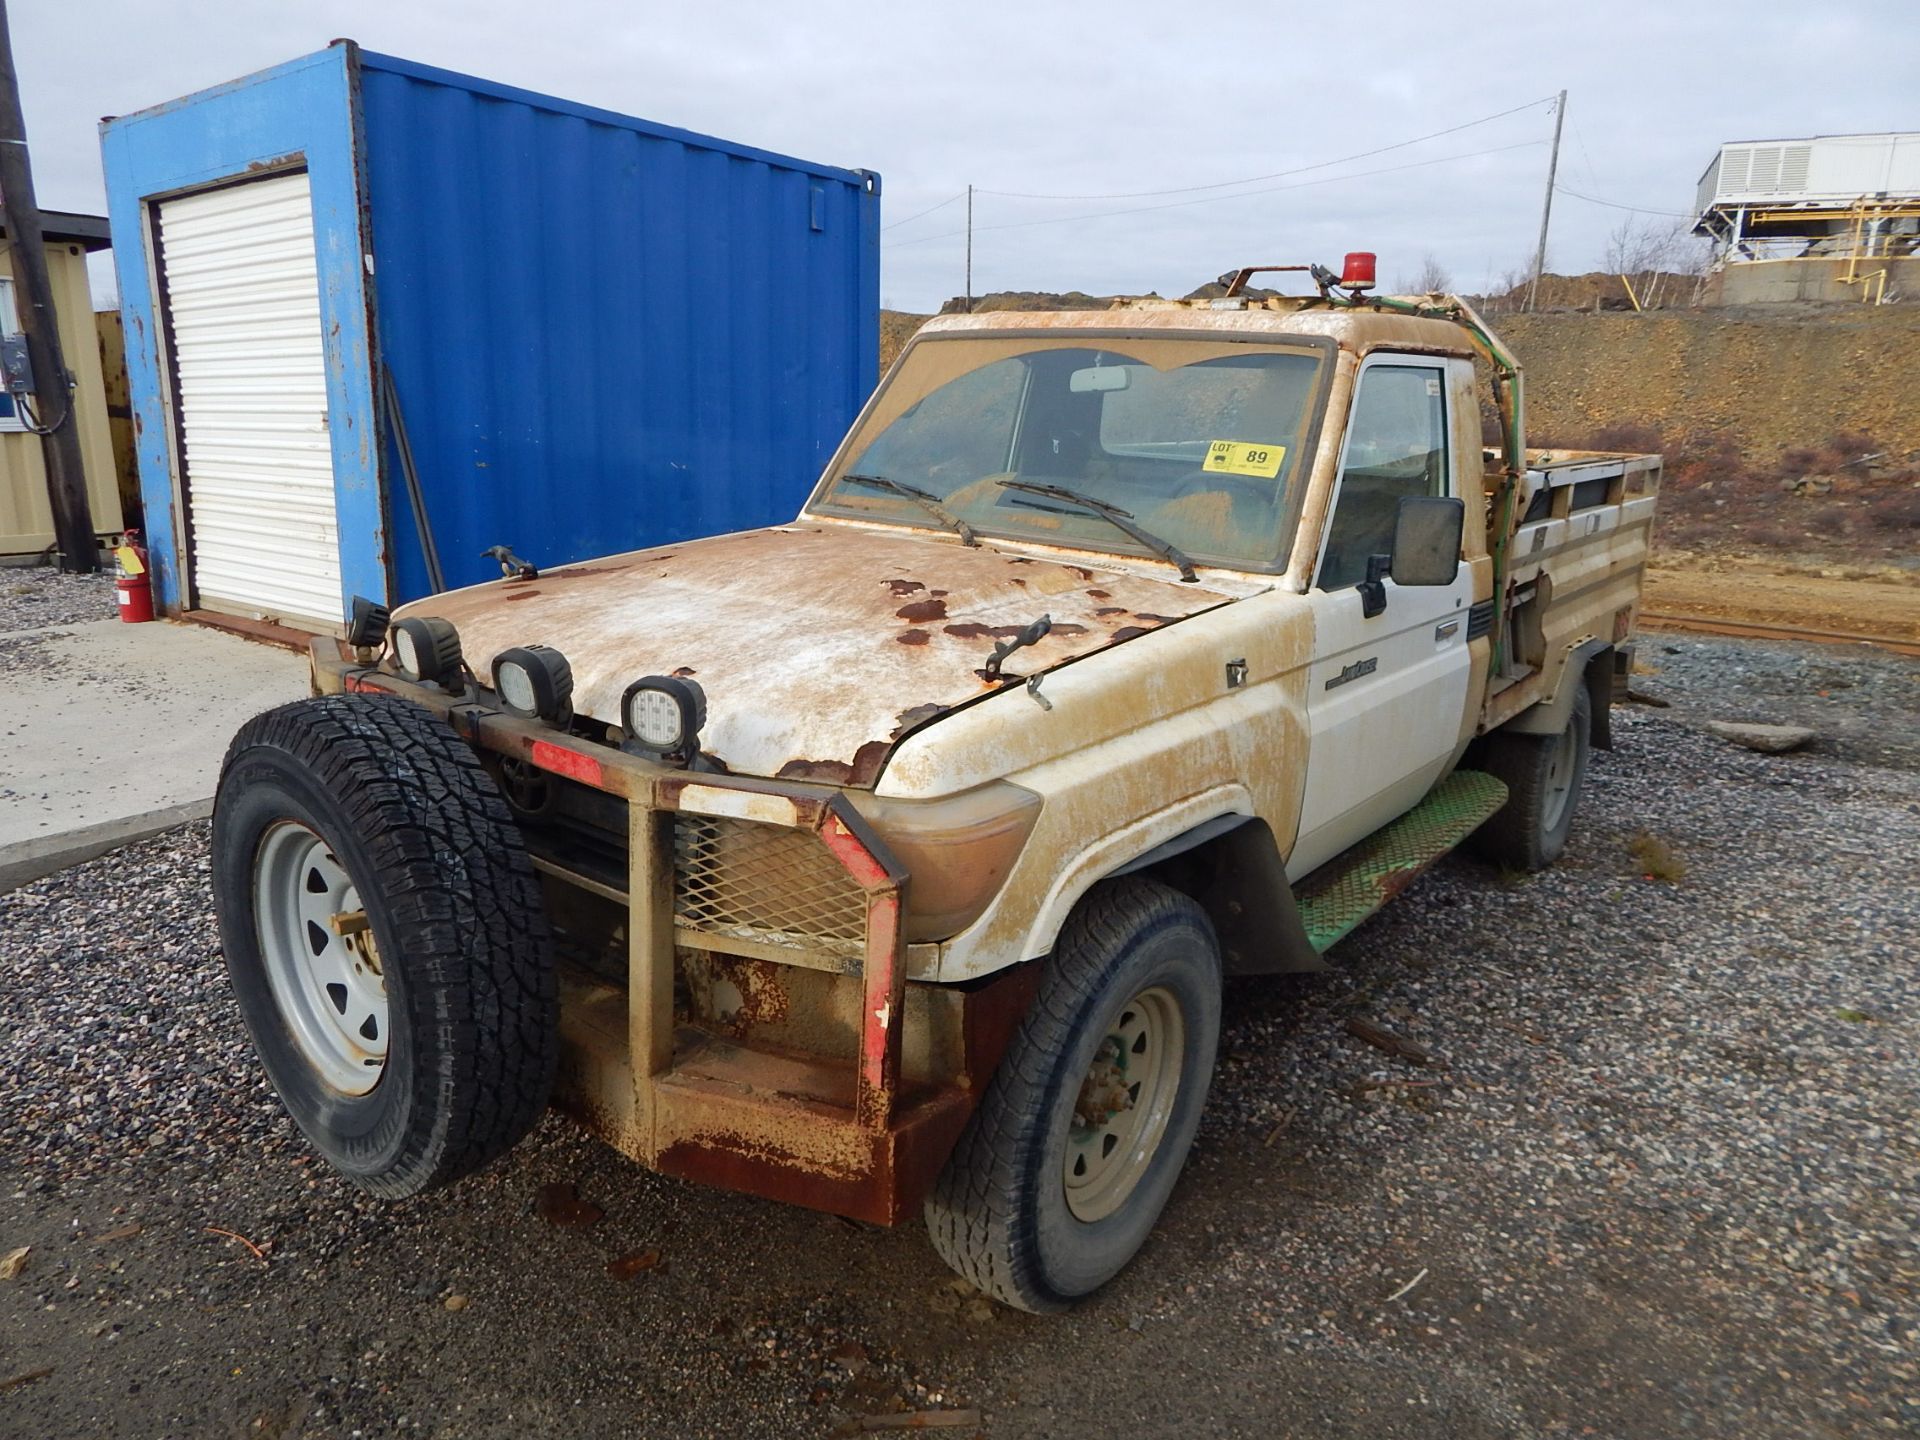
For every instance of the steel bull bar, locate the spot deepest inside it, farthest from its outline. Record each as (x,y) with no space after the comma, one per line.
(693,1102)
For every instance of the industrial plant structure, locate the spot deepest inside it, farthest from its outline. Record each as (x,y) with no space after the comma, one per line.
(1834,217)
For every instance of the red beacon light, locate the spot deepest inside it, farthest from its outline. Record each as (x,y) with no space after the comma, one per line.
(1357,272)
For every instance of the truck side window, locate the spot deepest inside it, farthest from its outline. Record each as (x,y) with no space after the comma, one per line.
(1396,446)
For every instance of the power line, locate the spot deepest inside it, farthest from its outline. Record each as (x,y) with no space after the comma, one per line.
(1616,205)
(1209,199)
(1581,141)
(1278,174)
(919,214)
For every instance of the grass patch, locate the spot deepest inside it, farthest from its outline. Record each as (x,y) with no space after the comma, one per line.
(1656,858)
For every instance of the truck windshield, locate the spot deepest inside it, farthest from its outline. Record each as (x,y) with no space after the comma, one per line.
(1201,442)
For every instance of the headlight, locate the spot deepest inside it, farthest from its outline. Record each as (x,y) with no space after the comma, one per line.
(958,850)
(662,716)
(427,649)
(534,682)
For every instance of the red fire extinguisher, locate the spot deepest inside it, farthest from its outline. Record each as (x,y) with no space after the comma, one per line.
(134,586)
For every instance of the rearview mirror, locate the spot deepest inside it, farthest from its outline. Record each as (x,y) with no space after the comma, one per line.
(1426,539)
(1099,379)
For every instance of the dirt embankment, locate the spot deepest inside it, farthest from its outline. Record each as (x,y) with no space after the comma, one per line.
(1767,380)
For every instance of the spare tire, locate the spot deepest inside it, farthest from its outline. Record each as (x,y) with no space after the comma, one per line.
(385,938)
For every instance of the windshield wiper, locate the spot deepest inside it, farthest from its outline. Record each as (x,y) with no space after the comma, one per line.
(926,500)
(1118,518)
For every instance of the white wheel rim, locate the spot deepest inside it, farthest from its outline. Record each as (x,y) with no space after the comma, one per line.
(1559,786)
(1124,1103)
(322,965)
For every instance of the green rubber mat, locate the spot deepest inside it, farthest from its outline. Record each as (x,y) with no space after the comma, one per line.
(1357,882)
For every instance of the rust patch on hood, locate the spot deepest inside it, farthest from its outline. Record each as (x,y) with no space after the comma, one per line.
(918,715)
(810,662)
(831,772)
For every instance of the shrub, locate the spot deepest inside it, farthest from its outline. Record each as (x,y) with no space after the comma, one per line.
(1635,439)
(1798,461)
(1656,858)
(1849,445)
(1706,457)
(1898,511)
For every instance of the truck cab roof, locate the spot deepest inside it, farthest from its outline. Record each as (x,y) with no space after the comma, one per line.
(1357,331)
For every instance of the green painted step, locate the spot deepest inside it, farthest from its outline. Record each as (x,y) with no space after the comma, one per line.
(1355,883)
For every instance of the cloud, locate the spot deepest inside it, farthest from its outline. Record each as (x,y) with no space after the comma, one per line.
(1121,97)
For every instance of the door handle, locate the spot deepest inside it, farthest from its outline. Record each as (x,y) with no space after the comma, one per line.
(1446,630)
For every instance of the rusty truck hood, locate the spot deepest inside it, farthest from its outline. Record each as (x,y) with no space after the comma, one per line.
(818,646)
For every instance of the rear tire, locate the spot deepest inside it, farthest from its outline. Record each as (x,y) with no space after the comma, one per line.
(385,938)
(1067,1163)
(1544,775)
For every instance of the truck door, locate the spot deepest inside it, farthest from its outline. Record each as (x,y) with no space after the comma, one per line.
(1385,693)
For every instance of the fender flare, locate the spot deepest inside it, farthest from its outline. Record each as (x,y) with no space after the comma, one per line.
(1549,716)
(1211,846)
(1232,866)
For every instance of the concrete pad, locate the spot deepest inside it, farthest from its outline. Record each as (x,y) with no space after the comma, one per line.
(110,732)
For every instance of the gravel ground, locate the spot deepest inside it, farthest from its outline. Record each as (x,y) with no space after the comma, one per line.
(1661,1179)
(31,598)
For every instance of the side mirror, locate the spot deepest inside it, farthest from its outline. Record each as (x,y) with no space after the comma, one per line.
(1426,539)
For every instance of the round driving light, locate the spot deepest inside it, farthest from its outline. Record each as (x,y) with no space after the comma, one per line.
(534,682)
(427,649)
(662,715)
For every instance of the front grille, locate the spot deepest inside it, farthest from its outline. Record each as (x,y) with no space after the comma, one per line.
(745,886)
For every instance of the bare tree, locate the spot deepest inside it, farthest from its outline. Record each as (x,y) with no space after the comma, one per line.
(1506,289)
(1645,252)
(1432,278)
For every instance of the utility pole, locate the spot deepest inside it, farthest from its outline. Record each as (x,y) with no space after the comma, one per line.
(1546,210)
(53,399)
(969,241)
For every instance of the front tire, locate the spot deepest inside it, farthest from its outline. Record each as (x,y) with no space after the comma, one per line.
(1067,1163)
(385,938)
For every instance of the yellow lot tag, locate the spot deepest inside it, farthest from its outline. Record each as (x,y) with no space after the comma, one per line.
(129,562)
(1237,457)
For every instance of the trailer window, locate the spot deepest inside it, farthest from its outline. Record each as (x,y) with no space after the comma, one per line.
(1396,447)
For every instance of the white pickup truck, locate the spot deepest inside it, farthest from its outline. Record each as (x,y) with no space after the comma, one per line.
(892,858)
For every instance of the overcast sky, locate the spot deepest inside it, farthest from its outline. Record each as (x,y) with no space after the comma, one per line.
(1109,98)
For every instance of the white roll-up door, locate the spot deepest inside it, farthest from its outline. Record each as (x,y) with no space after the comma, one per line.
(243,300)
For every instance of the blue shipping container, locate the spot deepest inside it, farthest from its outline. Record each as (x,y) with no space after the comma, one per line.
(601,333)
